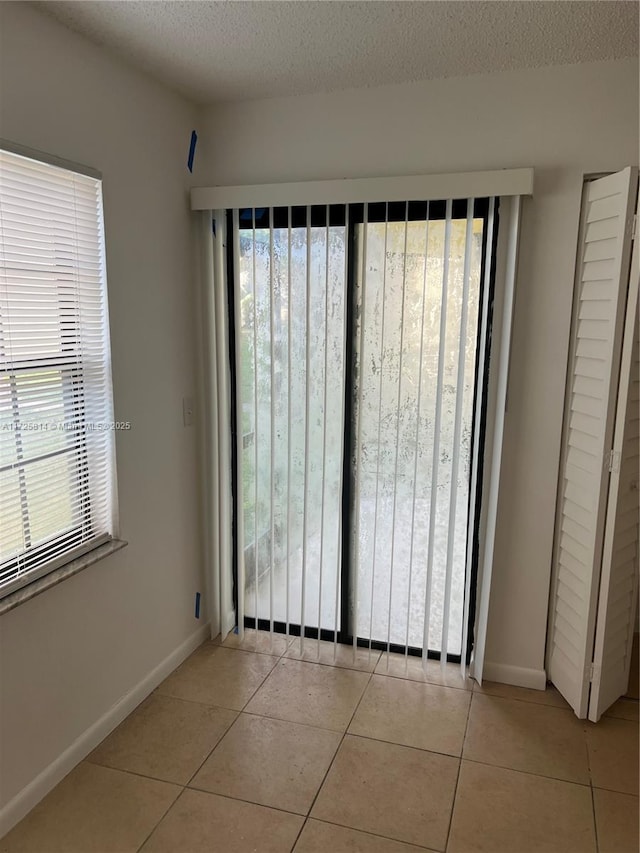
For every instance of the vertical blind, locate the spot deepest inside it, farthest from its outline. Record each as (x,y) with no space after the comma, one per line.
(357,336)
(291,277)
(417,308)
(57,496)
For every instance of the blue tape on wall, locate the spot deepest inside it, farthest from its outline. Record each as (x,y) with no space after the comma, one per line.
(197,605)
(192,150)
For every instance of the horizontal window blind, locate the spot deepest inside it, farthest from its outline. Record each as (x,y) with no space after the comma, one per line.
(57,496)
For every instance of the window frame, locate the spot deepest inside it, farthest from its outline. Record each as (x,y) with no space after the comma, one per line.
(90,545)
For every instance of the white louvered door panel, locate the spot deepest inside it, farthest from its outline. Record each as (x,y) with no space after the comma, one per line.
(619,581)
(602,281)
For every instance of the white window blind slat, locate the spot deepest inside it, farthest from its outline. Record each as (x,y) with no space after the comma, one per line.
(57,494)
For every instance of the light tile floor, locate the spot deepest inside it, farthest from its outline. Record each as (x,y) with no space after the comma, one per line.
(257,747)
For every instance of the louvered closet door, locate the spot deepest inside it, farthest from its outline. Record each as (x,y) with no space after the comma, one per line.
(603,276)
(619,581)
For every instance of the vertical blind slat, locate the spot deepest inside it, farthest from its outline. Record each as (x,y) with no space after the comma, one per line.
(343,450)
(397,449)
(307,454)
(256,432)
(235,237)
(324,421)
(435,464)
(477,440)
(272,431)
(355,579)
(379,425)
(417,432)
(455,462)
(289,432)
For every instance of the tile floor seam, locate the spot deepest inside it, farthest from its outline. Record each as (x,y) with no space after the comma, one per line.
(333,664)
(155,692)
(614,791)
(261,683)
(190,787)
(423,683)
(530,773)
(372,832)
(234,649)
(525,701)
(138,849)
(212,750)
(297,838)
(306,816)
(193,702)
(259,651)
(288,719)
(344,734)
(405,745)
(455,790)
(132,773)
(329,664)
(292,722)
(520,699)
(416,681)
(595,823)
(593,799)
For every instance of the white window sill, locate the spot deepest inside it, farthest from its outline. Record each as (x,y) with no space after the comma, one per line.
(58,575)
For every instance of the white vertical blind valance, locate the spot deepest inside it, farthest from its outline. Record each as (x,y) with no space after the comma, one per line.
(500,182)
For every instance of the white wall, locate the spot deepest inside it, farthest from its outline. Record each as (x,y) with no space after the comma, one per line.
(564,121)
(70,654)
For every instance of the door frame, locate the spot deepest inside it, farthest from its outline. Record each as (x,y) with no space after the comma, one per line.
(354,215)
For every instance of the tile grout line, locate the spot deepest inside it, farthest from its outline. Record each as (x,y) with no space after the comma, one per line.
(185,787)
(410,844)
(455,790)
(406,745)
(371,673)
(593,798)
(324,778)
(180,699)
(153,829)
(351,734)
(239,714)
(243,800)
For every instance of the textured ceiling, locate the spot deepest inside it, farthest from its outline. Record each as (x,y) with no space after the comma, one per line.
(225,51)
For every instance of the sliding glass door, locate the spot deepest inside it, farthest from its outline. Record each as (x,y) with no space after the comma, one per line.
(417,300)
(291,331)
(358,335)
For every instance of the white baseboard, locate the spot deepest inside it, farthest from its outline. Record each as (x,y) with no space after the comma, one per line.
(32,793)
(519,676)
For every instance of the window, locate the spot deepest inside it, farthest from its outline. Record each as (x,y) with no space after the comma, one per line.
(57,483)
